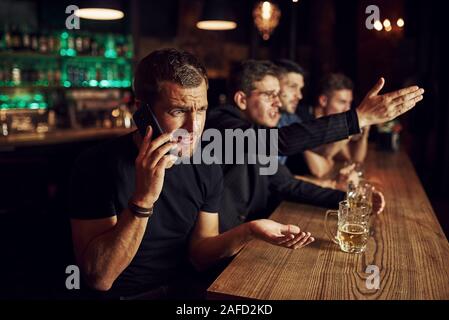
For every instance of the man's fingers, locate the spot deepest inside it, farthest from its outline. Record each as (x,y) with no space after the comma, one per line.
(401,92)
(165,162)
(159,141)
(309,241)
(304,240)
(299,240)
(290,228)
(155,157)
(377,87)
(406,97)
(284,239)
(404,107)
(145,143)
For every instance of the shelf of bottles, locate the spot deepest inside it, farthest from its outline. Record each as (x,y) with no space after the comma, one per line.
(36,63)
(27,100)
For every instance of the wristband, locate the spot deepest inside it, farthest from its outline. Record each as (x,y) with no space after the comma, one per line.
(140,211)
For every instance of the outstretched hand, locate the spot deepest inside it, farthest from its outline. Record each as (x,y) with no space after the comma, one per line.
(289,236)
(376,108)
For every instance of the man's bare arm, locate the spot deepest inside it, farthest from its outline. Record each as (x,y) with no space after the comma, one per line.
(359,147)
(330,150)
(207,246)
(105,247)
(319,166)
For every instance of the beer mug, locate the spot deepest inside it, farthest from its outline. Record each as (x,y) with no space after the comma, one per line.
(353,226)
(362,193)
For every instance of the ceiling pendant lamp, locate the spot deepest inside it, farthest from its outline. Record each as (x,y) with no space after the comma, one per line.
(216,15)
(266,18)
(100,10)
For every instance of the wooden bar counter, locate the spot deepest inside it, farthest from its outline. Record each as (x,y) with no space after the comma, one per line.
(407,245)
(59,136)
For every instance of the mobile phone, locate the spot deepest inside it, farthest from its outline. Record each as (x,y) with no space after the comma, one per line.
(143,117)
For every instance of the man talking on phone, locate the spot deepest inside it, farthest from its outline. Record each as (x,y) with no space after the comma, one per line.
(138,221)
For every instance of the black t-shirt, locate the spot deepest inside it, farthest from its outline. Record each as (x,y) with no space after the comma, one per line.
(103,180)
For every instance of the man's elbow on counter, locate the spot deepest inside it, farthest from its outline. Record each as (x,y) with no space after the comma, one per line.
(99,282)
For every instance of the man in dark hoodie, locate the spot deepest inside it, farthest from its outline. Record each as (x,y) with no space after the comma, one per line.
(254,90)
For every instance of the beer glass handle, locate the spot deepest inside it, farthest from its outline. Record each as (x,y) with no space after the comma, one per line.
(326,225)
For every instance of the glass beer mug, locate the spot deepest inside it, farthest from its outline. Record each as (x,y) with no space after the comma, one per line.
(353,226)
(362,193)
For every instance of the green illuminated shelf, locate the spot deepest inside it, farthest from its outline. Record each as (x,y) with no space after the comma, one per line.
(36,55)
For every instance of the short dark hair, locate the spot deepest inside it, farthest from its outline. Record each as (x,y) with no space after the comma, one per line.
(333,82)
(286,66)
(244,74)
(171,65)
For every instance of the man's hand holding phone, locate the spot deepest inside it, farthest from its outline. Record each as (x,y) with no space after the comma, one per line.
(151,162)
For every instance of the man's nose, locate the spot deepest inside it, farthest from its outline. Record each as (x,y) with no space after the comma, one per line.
(189,124)
(277,102)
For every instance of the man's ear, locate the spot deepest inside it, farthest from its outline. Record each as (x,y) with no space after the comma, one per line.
(322,101)
(240,100)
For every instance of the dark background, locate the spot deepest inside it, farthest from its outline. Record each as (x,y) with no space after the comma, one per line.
(330,36)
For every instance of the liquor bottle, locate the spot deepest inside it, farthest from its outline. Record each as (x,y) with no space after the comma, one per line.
(41,75)
(71,46)
(6,74)
(51,43)
(109,72)
(129,49)
(50,75)
(6,39)
(79,44)
(57,41)
(57,75)
(94,47)
(110,47)
(91,73)
(16,75)
(34,75)
(77,75)
(43,43)
(125,47)
(101,46)
(26,39)
(86,44)
(34,42)
(98,72)
(24,74)
(16,39)
(3,74)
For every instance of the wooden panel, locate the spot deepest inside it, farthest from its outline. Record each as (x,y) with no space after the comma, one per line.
(407,244)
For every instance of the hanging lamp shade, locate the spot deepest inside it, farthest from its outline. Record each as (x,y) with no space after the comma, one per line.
(217,15)
(100,10)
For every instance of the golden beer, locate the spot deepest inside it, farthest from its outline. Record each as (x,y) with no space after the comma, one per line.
(353,226)
(352,237)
